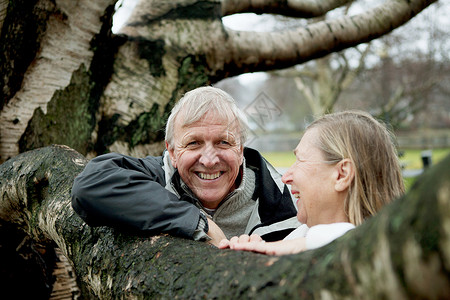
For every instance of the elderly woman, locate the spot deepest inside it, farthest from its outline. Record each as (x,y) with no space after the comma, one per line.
(346,170)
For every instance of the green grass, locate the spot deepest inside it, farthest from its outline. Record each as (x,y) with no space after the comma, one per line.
(411,158)
(409,181)
(280,159)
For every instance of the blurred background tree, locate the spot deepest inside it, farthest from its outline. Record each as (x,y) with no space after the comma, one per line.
(401,78)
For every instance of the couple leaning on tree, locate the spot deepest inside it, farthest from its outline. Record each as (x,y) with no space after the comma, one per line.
(209,187)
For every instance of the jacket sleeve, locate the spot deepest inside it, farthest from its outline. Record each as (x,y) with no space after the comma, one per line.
(128,193)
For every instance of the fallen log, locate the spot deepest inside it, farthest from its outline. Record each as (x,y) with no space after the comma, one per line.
(402,253)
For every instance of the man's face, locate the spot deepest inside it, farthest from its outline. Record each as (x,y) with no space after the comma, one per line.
(208,156)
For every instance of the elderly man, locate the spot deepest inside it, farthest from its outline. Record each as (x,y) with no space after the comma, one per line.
(206,184)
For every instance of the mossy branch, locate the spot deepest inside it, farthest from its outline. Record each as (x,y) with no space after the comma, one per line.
(403,252)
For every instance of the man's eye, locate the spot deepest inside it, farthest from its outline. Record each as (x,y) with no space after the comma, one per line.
(224,143)
(193,143)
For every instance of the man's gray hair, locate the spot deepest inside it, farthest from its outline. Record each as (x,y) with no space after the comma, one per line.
(197,103)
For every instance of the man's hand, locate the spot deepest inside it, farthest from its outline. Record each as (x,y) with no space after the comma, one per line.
(254,243)
(215,233)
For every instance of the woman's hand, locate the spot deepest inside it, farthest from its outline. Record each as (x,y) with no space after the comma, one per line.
(241,240)
(255,243)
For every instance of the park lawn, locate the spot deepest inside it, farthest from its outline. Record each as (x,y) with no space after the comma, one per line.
(280,159)
(411,158)
(409,181)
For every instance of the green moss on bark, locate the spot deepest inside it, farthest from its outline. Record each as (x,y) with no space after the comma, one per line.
(193,73)
(148,127)
(68,120)
(70,117)
(153,52)
(20,40)
(205,10)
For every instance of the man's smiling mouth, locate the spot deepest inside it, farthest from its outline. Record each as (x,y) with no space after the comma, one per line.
(207,176)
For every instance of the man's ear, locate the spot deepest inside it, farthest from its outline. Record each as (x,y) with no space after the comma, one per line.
(345,174)
(242,155)
(172,156)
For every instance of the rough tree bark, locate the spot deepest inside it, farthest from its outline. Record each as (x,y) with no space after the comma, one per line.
(402,253)
(66,79)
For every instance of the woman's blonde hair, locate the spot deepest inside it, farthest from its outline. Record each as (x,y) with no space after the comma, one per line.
(356,135)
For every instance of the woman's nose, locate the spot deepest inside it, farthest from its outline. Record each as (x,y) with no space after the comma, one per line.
(287,177)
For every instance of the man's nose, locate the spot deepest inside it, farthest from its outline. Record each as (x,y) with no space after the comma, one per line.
(209,157)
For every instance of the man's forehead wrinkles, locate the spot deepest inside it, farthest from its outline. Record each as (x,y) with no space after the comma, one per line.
(225,134)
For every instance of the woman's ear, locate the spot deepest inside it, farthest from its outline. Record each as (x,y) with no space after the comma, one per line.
(172,156)
(345,174)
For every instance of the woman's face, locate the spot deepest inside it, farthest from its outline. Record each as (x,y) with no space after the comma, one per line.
(313,181)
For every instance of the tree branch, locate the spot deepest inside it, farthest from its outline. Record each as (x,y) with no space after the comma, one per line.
(306,91)
(256,51)
(401,253)
(296,8)
(359,68)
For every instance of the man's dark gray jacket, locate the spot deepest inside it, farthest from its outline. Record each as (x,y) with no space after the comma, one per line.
(147,195)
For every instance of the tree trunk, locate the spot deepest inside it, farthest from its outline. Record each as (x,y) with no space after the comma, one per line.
(402,253)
